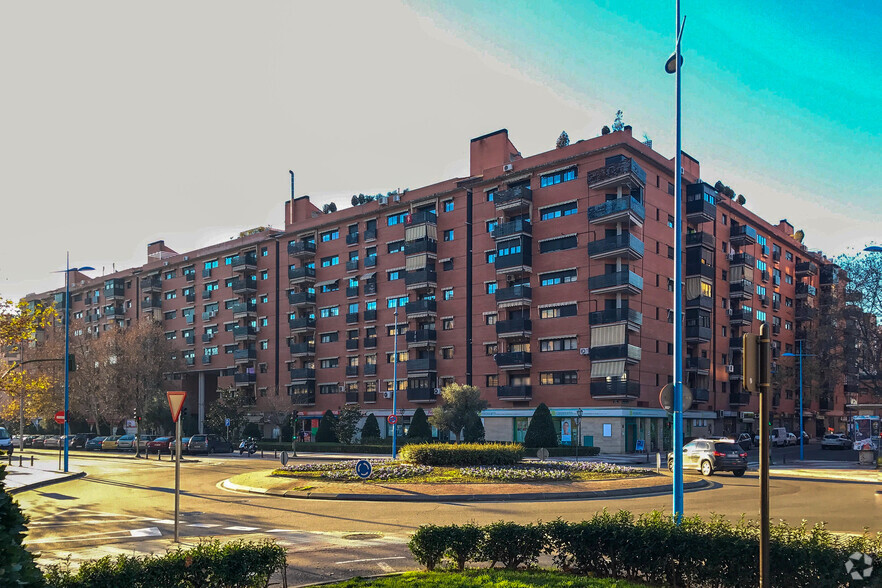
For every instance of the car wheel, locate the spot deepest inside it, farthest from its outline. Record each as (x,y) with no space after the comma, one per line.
(671,465)
(738,473)
(706,468)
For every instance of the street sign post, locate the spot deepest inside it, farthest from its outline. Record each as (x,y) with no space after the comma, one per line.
(175,404)
(59,417)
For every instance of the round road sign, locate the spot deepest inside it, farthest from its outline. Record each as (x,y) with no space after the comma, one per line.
(666,397)
(284,458)
(392,419)
(542,453)
(363,469)
(59,417)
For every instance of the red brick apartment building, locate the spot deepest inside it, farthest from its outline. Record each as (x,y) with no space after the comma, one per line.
(537,279)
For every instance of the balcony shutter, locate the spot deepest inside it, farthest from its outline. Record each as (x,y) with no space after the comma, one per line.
(415,233)
(416,262)
(607,369)
(693,288)
(608,335)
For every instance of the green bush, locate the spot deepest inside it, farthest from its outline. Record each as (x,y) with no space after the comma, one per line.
(17,567)
(419,429)
(464,544)
(429,544)
(541,431)
(325,433)
(238,564)
(512,545)
(466,454)
(370,430)
(474,431)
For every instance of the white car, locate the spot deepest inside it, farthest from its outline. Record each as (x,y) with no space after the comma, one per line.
(5,441)
(835,441)
(791,439)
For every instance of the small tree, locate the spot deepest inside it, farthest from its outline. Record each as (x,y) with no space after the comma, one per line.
(325,433)
(474,431)
(18,567)
(370,430)
(563,140)
(461,404)
(346,423)
(419,426)
(541,431)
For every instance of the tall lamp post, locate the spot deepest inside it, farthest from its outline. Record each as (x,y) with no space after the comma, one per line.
(395,388)
(672,66)
(800,355)
(67,271)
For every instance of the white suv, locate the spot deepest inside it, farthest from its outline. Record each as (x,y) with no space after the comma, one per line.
(5,441)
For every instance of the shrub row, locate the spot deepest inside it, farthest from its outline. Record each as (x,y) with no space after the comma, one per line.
(383,446)
(238,564)
(465,454)
(651,549)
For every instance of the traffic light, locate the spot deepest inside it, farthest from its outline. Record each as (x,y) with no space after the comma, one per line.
(71,362)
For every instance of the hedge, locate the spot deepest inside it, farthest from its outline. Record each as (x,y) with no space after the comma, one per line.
(238,564)
(384,446)
(650,548)
(464,454)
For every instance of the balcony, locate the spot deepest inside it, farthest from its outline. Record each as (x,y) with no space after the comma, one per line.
(700,395)
(624,390)
(244,333)
(300,275)
(190,276)
(700,210)
(514,296)
(352,239)
(116,292)
(825,404)
(701,302)
(805,313)
(630,353)
(151,303)
(522,261)
(734,371)
(151,284)
(243,309)
(420,279)
(114,312)
(421,308)
(370,286)
(421,338)
(739,398)
(370,234)
(625,281)
(421,246)
(616,315)
(697,334)
(763,300)
(207,337)
(247,262)
(700,239)
(421,395)
(513,198)
(301,325)
(301,249)
(370,369)
(699,269)
(699,365)
(244,379)
(514,393)
(352,397)
(369,342)
(740,235)
(625,245)
(302,349)
(207,294)
(352,344)
(352,265)
(515,227)
(190,297)
(370,315)
(370,261)
(736,343)
(514,328)
(626,210)
(244,355)
(804,290)
(806,268)
(303,398)
(298,299)
(351,371)
(302,374)
(625,172)
(742,259)
(741,317)
(418,366)
(351,317)
(247,286)
(741,289)
(516,360)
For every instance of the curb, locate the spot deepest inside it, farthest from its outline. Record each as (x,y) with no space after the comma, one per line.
(59,480)
(105,455)
(589,495)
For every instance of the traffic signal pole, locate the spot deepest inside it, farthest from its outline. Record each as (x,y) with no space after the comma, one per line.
(756,357)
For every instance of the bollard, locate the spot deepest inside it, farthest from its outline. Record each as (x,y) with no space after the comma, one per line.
(159,454)
(32,461)
(275,451)
(20,457)
(261,454)
(657,461)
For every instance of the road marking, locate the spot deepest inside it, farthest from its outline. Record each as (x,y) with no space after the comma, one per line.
(203,525)
(168,522)
(282,531)
(384,566)
(240,528)
(146,532)
(351,561)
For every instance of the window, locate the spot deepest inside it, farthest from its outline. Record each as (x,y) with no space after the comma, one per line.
(171,315)
(448,235)
(561,277)
(447,353)
(393,275)
(447,264)
(557,378)
(210,350)
(788,256)
(264,275)
(210,264)
(390,329)
(565,209)
(508,248)
(329,311)
(788,326)
(396,302)
(264,344)
(264,298)
(559,244)
(171,295)
(332,287)
(370,305)
(329,261)
(330,235)
(490,195)
(557,177)
(264,251)
(490,318)
(228,260)
(353,307)
(396,246)
(395,219)
(490,255)
(491,348)
(760,290)
(788,278)
(171,335)
(328,388)
(170,275)
(670,252)
(761,265)
(264,322)
(329,337)
(492,380)
(228,283)
(447,324)
(490,287)
(671,191)
(211,286)
(491,224)
(330,362)
(448,206)
(558,311)
(788,302)
(402,356)
(564,344)
(448,293)
(670,222)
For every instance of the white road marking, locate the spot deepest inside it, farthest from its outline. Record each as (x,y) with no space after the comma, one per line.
(146,532)
(168,522)
(384,566)
(240,528)
(351,561)
(282,531)
(203,525)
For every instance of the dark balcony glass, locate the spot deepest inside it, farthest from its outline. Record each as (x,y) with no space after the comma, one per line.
(419,217)
(369,342)
(302,374)
(515,227)
(301,248)
(191,297)
(696,334)
(301,273)
(763,300)
(302,349)
(736,342)
(421,365)
(351,317)
(370,261)
(625,171)
(524,258)
(245,378)
(352,239)
(700,395)
(703,302)
(700,211)
(301,323)
(351,370)
(515,293)
(776,329)
(421,395)
(191,340)
(148,284)
(741,316)
(370,315)
(244,262)
(151,303)
(351,291)
(303,398)
(615,315)
(244,286)
(370,287)
(244,333)
(117,291)
(616,389)
(699,269)
(742,235)
(514,327)
(624,245)
(805,314)
(420,277)
(806,268)
(370,235)
(513,197)
(370,369)
(697,364)
(351,397)
(514,392)
(803,290)
(301,298)
(113,312)
(421,336)
(741,289)
(623,351)
(243,308)
(421,246)
(245,354)
(620,209)
(351,344)
(370,396)
(622,280)
(700,239)
(352,265)
(734,371)
(190,277)
(516,359)
(739,399)
(206,337)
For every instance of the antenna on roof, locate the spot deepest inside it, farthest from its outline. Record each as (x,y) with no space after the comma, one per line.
(292,183)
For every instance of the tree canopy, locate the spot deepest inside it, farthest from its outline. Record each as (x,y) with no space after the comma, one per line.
(461,404)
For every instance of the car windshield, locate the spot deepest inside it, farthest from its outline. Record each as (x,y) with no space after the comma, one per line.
(727,447)
(163,439)
(197,438)
(3,433)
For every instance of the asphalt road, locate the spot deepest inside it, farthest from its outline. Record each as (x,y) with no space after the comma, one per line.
(125,506)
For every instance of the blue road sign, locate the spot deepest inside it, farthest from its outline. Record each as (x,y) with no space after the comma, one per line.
(363,469)
(228,422)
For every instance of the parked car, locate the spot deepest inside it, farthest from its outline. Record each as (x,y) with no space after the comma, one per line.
(836,441)
(185,442)
(94,444)
(745,441)
(110,443)
(710,455)
(52,442)
(79,440)
(29,440)
(5,440)
(792,439)
(126,443)
(160,444)
(39,441)
(209,444)
(780,437)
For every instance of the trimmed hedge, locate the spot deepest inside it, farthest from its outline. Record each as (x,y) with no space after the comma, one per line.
(238,564)
(465,454)
(652,549)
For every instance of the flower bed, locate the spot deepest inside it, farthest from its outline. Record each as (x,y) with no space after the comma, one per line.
(517,474)
(385,473)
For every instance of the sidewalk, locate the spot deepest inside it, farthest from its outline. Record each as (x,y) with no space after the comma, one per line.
(42,473)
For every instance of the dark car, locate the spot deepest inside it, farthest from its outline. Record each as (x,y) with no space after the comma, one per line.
(39,442)
(184,445)
(79,440)
(94,444)
(710,455)
(209,444)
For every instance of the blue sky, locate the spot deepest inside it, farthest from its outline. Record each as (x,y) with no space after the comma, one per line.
(127,123)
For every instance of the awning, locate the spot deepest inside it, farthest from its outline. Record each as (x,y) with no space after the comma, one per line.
(606,369)
(369,276)
(416,262)
(326,283)
(608,335)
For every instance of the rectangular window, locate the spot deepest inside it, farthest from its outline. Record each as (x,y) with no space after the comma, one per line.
(329,261)
(402,356)
(508,248)
(171,295)
(228,260)
(788,256)
(490,287)
(761,316)
(171,315)
(328,388)
(491,349)
(491,224)
(264,298)
(490,255)
(557,178)
(264,344)
(788,326)
(264,251)
(329,311)
(393,275)
(760,290)
(492,380)
(564,344)
(558,311)
(447,324)
(353,307)
(447,353)
(565,209)
(396,246)
(788,278)
(395,219)
(490,318)
(210,264)
(329,337)
(447,264)
(370,305)
(490,195)
(170,275)
(390,329)
(329,363)
(448,206)
(558,378)
(330,235)
(396,302)
(171,335)
(761,265)
(448,235)
(332,287)
(559,244)
(448,293)
(670,222)
(561,277)
(670,252)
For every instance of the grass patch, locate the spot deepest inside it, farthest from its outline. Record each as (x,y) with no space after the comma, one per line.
(486,577)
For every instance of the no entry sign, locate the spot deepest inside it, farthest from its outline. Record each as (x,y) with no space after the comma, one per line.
(59,417)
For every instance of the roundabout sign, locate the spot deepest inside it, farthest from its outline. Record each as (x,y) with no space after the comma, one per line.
(363,469)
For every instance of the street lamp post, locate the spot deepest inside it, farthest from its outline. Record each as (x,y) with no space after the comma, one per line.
(800,355)
(579,414)
(395,387)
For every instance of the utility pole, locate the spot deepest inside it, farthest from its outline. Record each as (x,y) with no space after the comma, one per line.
(757,372)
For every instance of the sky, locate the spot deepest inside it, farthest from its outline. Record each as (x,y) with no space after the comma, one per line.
(124,123)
